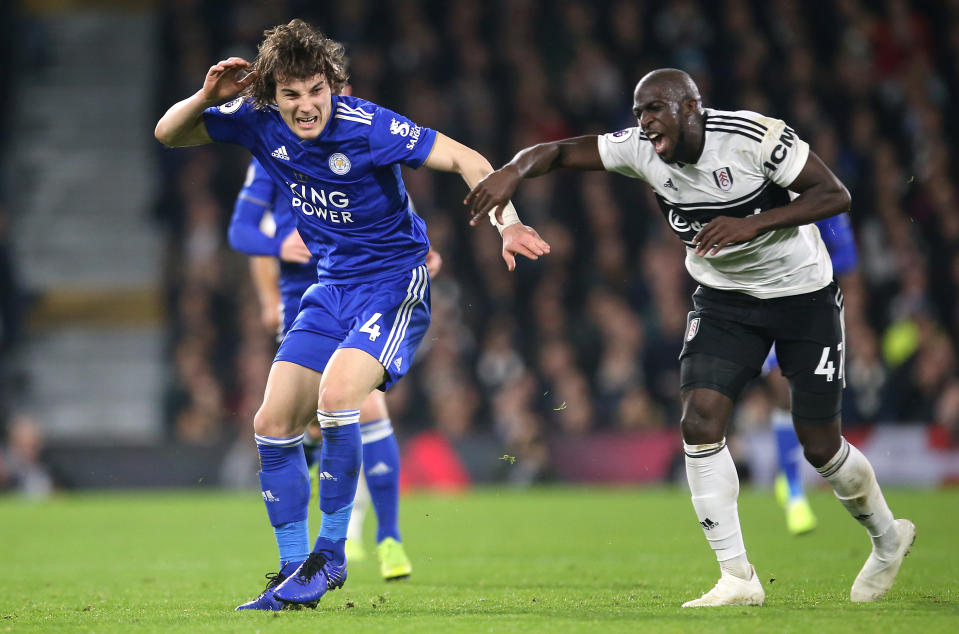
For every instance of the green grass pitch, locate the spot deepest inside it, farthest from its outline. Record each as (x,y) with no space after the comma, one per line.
(494,560)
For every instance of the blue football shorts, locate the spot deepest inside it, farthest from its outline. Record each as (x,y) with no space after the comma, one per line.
(289,309)
(387,319)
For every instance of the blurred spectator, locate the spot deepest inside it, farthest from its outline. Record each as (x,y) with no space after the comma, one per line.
(21,462)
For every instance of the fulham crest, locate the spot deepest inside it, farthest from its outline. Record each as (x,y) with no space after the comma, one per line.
(723,178)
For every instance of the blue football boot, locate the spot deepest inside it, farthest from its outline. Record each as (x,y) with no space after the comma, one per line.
(309,583)
(266,600)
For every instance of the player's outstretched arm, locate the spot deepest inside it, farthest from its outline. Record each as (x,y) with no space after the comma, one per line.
(182,124)
(494,191)
(821,195)
(518,239)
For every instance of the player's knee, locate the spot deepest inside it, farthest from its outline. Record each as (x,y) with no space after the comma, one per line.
(817,454)
(275,425)
(337,397)
(820,439)
(700,426)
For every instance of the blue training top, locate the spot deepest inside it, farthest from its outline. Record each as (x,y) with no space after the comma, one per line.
(344,187)
(836,232)
(259,195)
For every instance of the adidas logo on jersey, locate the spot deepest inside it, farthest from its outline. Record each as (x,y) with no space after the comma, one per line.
(326,475)
(280,153)
(268,496)
(669,184)
(380,468)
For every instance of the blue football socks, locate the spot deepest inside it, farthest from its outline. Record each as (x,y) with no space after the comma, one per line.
(311,449)
(340,462)
(789,451)
(285,484)
(381,465)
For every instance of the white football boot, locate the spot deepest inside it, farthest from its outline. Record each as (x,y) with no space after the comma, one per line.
(877,575)
(731,590)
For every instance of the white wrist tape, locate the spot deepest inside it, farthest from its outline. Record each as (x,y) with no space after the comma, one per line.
(510,217)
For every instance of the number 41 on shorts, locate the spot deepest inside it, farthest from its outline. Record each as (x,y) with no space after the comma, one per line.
(826,367)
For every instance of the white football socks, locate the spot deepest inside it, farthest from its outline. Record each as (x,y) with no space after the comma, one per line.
(714,486)
(854,482)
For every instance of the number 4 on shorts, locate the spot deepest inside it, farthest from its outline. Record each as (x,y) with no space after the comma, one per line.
(374,330)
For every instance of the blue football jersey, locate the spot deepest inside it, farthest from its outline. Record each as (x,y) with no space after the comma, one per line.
(259,195)
(344,187)
(836,232)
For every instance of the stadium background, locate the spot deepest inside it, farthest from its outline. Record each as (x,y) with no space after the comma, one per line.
(132,353)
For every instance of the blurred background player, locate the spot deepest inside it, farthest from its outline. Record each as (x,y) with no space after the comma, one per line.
(282,269)
(359,326)
(836,232)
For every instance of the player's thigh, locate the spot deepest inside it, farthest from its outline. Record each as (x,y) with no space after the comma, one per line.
(811,354)
(374,407)
(721,352)
(289,401)
(389,320)
(815,379)
(350,376)
(317,330)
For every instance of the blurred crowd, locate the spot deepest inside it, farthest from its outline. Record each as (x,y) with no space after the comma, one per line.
(587,338)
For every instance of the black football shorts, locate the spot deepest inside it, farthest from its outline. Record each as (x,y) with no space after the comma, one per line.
(729,334)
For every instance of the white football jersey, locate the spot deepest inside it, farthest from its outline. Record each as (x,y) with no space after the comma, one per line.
(747,164)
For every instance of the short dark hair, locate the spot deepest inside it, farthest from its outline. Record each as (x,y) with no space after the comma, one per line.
(295,51)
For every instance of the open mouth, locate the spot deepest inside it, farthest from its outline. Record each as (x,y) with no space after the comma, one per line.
(306,122)
(658,141)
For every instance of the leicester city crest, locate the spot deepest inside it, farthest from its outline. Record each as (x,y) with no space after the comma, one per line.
(723,178)
(339,163)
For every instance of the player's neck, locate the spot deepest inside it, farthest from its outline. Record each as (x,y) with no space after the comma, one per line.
(693,143)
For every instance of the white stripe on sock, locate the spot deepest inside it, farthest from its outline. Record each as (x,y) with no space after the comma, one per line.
(278,442)
(337,419)
(375,430)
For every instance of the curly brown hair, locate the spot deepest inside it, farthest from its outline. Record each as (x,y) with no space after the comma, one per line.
(295,51)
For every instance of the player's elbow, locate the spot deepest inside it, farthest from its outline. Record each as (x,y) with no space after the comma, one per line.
(841,197)
(832,196)
(163,134)
(171,135)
